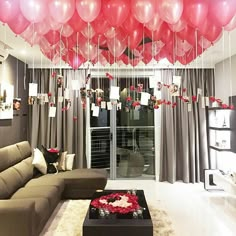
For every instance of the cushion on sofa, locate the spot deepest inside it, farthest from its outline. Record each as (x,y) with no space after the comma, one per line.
(25,149)
(51,193)
(9,156)
(25,169)
(47,180)
(4,194)
(12,180)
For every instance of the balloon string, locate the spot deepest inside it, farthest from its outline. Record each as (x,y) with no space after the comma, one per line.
(98,61)
(223,46)
(33,53)
(60,49)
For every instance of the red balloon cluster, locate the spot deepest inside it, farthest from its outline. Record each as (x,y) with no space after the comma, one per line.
(127,31)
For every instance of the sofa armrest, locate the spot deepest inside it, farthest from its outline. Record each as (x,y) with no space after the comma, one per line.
(17,217)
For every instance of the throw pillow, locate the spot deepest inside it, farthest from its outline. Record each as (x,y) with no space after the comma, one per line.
(69,161)
(39,161)
(62,161)
(50,157)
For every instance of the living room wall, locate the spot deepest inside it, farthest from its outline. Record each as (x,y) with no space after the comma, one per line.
(12,71)
(225,86)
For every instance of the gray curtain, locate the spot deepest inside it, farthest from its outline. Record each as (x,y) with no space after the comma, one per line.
(66,131)
(184,147)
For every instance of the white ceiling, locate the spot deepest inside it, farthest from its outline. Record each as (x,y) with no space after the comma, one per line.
(224,48)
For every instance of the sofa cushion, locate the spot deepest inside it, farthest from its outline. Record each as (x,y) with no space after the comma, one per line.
(12,179)
(39,161)
(51,193)
(25,169)
(47,180)
(9,156)
(25,149)
(81,183)
(4,194)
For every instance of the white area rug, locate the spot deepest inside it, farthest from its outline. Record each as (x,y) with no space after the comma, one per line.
(68,217)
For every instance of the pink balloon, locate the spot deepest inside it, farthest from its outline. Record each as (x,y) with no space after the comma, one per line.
(76,22)
(116,46)
(18,24)
(204,43)
(221,12)
(170,10)
(31,36)
(196,11)
(54,25)
(130,24)
(143,10)
(42,27)
(34,10)
(111,33)
(231,25)
(88,10)
(135,37)
(61,10)
(116,11)
(179,26)
(100,40)
(44,45)
(87,49)
(100,25)
(8,10)
(88,32)
(67,30)
(154,23)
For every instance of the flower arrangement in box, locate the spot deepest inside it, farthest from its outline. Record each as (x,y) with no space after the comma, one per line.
(122,203)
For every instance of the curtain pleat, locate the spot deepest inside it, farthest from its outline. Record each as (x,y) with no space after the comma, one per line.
(184,153)
(66,130)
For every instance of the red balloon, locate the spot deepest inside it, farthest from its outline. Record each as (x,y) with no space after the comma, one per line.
(100,40)
(188,33)
(75,60)
(116,11)
(135,37)
(130,24)
(70,42)
(18,24)
(210,31)
(88,10)
(8,10)
(61,10)
(143,10)
(222,11)
(76,22)
(196,11)
(116,46)
(100,25)
(52,37)
(166,33)
(34,10)
(170,10)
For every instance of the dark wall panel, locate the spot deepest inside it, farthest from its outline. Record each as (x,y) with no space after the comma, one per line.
(12,71)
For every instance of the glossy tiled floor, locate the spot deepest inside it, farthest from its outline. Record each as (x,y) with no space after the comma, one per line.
(193,211)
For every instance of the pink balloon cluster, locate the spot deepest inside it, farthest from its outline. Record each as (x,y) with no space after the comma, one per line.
(127,31)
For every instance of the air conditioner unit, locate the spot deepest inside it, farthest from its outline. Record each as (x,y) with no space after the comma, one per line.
(3,51)
(3,54)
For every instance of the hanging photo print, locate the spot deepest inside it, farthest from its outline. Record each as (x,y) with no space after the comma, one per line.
(6,101)
(16,104)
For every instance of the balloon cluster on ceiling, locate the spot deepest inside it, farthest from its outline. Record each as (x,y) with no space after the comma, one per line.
(127,31)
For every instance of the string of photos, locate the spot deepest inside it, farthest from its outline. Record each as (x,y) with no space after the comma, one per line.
(137,97)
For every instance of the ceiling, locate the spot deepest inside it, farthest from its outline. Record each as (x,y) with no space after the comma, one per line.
(32,55)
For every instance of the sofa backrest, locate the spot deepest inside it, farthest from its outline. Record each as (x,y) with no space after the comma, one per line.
(15,168)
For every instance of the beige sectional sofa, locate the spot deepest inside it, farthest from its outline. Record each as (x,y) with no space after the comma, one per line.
(27,202)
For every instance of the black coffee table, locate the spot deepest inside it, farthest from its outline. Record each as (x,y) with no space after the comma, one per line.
(118,224)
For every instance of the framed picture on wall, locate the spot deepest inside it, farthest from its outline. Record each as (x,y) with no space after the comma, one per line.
(6,101)
(209,183)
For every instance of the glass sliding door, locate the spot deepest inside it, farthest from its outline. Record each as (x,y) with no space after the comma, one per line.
(122,139)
